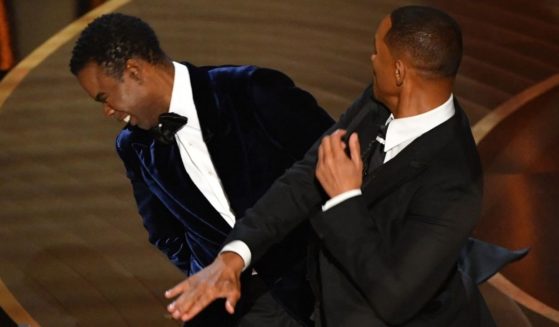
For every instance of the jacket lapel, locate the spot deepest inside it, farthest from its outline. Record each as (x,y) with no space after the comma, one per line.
(170,178)
(221,136)
(393,174)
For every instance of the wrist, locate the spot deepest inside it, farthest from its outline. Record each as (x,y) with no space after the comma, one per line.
(232,260)
(342,190)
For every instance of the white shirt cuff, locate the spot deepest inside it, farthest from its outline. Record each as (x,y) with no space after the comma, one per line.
(340,198)
(241,249)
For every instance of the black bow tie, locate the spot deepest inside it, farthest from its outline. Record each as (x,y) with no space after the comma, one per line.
(169,124)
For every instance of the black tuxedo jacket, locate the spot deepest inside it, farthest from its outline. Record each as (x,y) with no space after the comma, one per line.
(387,257)
(256,124)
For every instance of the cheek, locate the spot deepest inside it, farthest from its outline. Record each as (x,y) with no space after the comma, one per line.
(381,82)
(129,99)
(380,76)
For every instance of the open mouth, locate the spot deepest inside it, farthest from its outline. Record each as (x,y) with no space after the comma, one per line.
(126,119)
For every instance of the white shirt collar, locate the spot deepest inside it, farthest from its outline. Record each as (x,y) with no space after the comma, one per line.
(182,101)
(405,129)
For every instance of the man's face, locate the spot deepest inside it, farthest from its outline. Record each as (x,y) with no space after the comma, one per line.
(124,99)
(384,82)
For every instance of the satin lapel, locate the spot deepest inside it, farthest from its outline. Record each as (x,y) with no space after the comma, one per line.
(170,177)
(221,135)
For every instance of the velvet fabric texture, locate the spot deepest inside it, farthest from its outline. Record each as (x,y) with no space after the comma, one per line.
(256,123)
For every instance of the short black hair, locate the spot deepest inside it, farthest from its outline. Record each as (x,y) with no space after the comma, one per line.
(110,40)
(430,38)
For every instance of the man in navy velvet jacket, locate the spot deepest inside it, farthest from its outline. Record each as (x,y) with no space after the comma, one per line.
(244,127)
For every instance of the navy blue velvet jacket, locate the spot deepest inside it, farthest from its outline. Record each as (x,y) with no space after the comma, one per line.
(256,124)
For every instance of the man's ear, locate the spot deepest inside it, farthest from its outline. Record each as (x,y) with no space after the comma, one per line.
(134,70)
(399,72)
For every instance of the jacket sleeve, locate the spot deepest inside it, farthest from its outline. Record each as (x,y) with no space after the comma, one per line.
(292,199)
(164,231)
(400,269)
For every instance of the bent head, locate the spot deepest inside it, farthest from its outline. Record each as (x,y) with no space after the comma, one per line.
(111,59)
(422,40)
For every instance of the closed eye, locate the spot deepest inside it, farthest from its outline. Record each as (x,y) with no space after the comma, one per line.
(101,97)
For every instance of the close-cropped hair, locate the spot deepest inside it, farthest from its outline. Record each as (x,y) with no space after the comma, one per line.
(110,40)
(429,38)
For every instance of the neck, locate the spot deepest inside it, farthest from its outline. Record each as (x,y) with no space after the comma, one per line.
(163,79)
(418,98)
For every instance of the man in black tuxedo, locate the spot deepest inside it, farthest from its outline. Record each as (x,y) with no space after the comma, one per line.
(391,207)
(200,146)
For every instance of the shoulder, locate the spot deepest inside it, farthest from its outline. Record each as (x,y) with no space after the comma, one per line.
(230,73)
(123,139)
(130,135)
(457,156)
(266,77)
(249,75)
(238,77)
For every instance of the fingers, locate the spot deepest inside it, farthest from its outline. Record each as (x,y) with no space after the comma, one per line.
(320,155)
(185,306)
(189,304)
(221,279)
(337,145)
(326,146)
(232,296)
(229,307)
(188,309)
(325,152)
(177,289)
(332,145)
(186,312)
(355,151)
(231,301)
(183,303)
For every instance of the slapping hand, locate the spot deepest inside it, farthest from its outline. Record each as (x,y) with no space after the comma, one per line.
(221,279)
(336,172)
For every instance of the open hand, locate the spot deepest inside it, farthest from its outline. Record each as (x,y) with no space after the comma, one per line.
(221,279)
